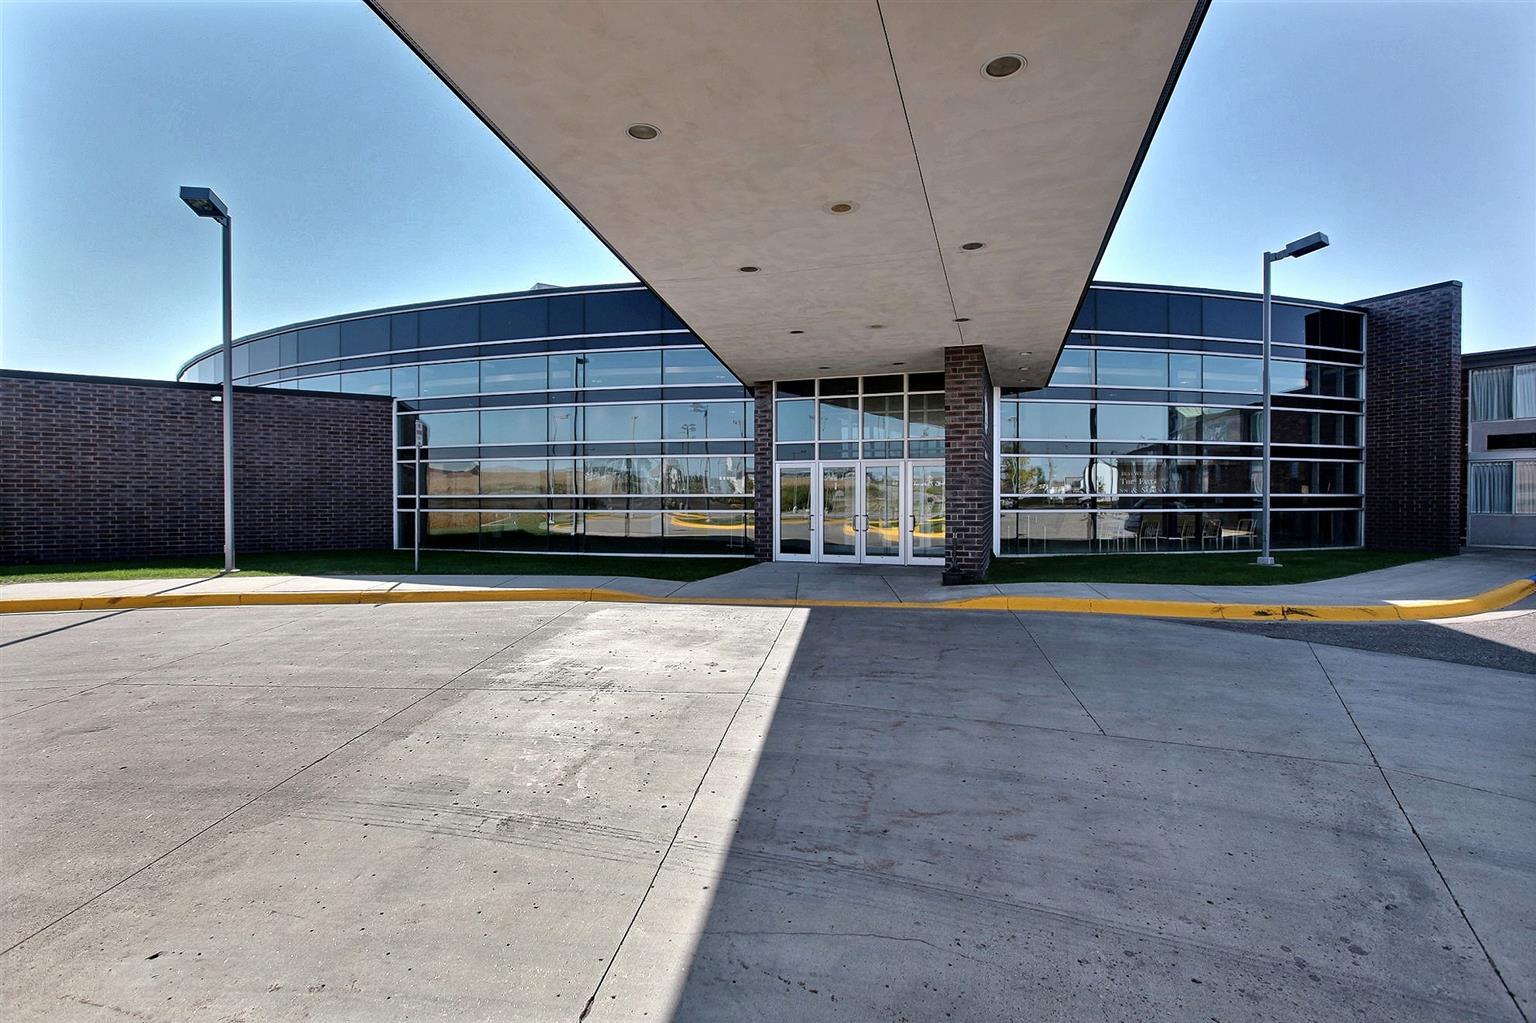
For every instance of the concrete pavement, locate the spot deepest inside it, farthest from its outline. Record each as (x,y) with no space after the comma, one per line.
(550,811)
(1471,583)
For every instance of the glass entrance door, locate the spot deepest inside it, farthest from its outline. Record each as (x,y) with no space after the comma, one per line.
(794,533)
(926,516)
(880,509)
(840,517)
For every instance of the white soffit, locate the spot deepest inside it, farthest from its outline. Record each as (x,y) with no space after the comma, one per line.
(770,112)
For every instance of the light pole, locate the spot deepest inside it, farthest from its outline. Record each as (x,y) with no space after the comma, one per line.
(1299,247)
(205,203)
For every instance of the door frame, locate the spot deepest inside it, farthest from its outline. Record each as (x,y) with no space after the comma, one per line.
(909,508)
(814,491)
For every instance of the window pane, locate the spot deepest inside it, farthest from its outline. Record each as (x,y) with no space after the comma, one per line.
(564,423)
(1142,312)
(1044,475)
(330,382)
(452,429)
(1074,368)
(925,416)
(562,371)
(514,476)
(449,378)
(623,369)
(526,317)
(529,373)
(622,311)
(839,418)
(448,478)
(364,337)
(1184,371)
(1132,369)
(317,343)
(1232,317)
(263,354)
(796,420)
(1231,374)
(455,325)
(1053,421)
(513,426)
(693,366)
(884,417)
(373,381)
(1286,377)
(1133,422)
(403,382)
(623,422)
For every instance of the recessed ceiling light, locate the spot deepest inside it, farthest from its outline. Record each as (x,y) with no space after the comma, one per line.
(823,367)
(797,332)
(643,132)
(1002,67)
(877,326)
(898,364)
(962,319)
(747,269)
(841,207)
(973,246)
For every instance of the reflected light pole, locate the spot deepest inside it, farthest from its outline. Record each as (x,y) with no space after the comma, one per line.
(1299,247)
(205,203)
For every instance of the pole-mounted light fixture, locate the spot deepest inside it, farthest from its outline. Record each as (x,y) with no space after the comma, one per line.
(1296,249)
(206,203)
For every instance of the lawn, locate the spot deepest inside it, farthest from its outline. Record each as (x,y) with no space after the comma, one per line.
(1195,569)
(381,563)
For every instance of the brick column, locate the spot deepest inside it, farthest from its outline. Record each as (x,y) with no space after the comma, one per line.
(762,488)
(969,475)
(1413,419)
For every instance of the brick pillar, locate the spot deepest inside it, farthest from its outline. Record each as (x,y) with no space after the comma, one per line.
(762,487)
(1413,419)
(970,478)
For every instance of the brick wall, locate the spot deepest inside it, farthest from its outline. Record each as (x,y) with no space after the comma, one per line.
(969,474)
(1413,419)
(95,468)
(762,491)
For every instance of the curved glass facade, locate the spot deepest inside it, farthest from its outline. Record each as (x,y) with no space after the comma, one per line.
(583,420)
(1150,434)
(592,420)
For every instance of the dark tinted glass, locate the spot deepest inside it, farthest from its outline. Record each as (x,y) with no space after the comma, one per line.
(287,349)
(264,354)
(454,325)
(925,382)
(1287,322)
(620,311)
(1184,314)
(527,317)
(316,343)
(364,337)
(883,385)
(565,315)
(1140,311)
(1230,317)
(839,385)
(403,332)
(1087,316)
(795,388)
(242,360)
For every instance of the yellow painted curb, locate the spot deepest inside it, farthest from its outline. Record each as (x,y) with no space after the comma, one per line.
(1402,610)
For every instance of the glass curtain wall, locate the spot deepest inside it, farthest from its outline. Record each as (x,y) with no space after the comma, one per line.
(1149,435)
(578,420)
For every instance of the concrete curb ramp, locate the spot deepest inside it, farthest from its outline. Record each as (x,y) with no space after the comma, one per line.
(1401,610)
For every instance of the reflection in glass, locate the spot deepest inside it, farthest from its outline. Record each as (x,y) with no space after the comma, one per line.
(927,511)
(882,511)
(839,418)
(1074,368)
(447,378)
(1132,369)
(883,417)
(622,369)
(505,376)
(839,499)
(512,426)
(794,510)
(450,429)
(795,420)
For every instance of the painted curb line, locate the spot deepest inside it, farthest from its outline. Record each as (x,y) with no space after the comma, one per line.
(1402,610)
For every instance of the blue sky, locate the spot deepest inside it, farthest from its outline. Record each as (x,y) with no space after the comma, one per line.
(1406,131)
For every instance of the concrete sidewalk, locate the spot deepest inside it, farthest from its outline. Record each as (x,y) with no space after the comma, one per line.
(1473,582)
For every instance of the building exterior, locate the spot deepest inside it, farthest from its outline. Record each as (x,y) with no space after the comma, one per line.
(101,468)
(592,420)
(1501,447)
